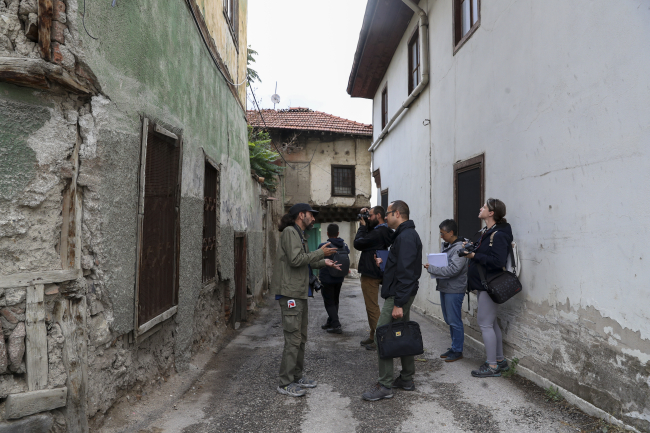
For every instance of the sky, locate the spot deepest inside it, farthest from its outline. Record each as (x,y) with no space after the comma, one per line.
(308,48)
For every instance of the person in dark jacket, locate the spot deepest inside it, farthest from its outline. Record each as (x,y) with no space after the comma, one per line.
(372,236)
(332,285)
(492,254)
(400,285)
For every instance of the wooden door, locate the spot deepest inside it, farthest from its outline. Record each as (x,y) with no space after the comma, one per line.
(240,278)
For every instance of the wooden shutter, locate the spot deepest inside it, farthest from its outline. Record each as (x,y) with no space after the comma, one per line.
(158,230)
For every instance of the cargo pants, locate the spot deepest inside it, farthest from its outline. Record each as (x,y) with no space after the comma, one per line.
(294,325)
(386,365)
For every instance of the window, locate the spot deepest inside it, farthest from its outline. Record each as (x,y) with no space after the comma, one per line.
(384,199)
(158,226)
(414,61)
(467,18)
(231,12)
(384,107)
(469,195)
(343,180)
(210,209)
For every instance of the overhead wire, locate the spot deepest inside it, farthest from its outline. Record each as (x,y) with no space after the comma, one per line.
(280,152)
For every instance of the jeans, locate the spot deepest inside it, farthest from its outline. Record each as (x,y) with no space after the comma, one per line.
(452,304)
(331,294)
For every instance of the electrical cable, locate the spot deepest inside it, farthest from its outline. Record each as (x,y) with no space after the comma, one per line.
(280,152)
(83,21)
(264,121)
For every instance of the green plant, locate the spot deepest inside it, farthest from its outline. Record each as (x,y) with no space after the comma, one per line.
(553,394)
(250,72)
(513,368)
(262,157)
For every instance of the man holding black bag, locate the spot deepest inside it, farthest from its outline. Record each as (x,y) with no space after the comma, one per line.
(400,285)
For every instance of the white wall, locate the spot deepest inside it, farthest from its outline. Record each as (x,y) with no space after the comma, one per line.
(556,95)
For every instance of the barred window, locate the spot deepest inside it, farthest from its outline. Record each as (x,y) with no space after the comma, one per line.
(343,180)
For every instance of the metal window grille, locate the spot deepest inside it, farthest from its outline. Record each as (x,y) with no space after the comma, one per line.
(210,204)
(343,180)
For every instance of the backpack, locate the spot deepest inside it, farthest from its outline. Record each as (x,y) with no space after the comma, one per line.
(342,257)
(513,264)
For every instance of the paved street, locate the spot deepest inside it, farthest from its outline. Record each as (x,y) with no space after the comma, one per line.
(236,392)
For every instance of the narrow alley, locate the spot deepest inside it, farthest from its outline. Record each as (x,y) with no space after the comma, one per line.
(236,392)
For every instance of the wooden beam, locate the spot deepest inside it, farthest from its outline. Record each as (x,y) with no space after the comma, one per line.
(29,403)
(156,320)
(37,73)
(36,338)
(43,277)
(45,14)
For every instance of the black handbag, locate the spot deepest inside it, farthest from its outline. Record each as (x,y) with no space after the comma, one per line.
(500,287)
(397,339)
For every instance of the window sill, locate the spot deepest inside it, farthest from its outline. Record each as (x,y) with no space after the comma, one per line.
(465,38)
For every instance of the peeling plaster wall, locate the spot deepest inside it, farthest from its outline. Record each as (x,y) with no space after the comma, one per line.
(168,76)
(560,110)
(327,150)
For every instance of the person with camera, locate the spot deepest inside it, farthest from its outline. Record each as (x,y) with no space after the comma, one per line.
(292,284)
(489,253)
(332,284)
(373,235)
(401,282)
(451,283)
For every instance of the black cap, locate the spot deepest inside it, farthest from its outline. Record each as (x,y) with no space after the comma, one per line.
(301,207)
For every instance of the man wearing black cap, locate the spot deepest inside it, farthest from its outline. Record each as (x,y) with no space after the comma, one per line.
(290,285)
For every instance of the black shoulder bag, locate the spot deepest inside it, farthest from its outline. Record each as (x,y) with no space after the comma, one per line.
(502,286)
(397,339)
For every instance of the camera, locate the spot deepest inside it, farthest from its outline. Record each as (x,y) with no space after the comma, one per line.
(365,216)
(314,282)
(469,247)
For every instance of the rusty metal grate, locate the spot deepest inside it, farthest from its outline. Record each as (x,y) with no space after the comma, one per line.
(210,203)
(158,265)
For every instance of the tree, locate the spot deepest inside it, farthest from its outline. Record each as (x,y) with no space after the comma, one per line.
(250,72)
(262,157)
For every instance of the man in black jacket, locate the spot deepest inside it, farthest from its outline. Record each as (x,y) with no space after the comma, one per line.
(372,235)
(400,285)
(332,285)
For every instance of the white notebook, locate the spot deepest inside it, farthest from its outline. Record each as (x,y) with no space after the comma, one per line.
(438,260)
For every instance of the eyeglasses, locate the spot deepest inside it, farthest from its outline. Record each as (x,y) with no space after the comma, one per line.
(494,204)
(388,213)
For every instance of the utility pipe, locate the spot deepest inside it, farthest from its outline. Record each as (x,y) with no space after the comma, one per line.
(424,47)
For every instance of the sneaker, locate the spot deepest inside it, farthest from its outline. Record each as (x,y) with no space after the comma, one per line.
(326,326)
(503,365)
(377,393)
(367,341)
(486,371)
(454,356)
(306,383)
(372,346)
(293,389)
(336,330)
(447,353)
(406,385)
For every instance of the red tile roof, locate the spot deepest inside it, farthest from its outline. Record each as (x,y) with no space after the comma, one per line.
(306,120)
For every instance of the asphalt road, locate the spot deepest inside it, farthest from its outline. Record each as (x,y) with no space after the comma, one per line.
(236,391)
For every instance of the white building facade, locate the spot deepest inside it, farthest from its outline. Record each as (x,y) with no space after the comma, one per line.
(545,106)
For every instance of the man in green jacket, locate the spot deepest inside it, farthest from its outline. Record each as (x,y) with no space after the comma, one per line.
(290,285)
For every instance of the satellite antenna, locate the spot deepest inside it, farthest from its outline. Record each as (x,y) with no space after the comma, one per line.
(275,98)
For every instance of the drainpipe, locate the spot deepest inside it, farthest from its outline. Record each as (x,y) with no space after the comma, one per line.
(424,46)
